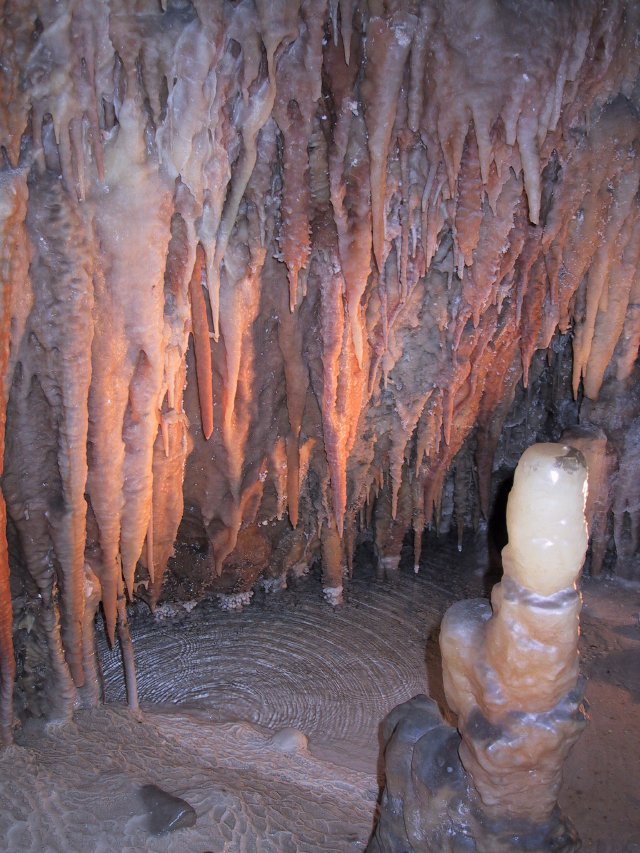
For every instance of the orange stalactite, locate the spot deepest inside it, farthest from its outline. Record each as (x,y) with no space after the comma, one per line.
(14,212)
(202,345)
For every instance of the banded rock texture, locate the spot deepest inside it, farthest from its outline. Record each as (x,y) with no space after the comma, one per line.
(297,255)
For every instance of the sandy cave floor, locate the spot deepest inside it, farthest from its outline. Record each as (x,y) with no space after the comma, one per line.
(218,689)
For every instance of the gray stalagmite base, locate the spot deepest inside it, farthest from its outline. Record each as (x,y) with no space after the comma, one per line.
(510,674)
(429,805)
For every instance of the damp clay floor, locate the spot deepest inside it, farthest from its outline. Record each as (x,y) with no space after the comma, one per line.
(223,692)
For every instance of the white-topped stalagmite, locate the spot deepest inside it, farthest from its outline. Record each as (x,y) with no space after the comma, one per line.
(511,669)
(545,519)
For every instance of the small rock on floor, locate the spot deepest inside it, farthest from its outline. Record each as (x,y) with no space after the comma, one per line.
(166,811)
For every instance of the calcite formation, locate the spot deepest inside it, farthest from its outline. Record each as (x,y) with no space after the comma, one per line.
(510,672)
(272,269)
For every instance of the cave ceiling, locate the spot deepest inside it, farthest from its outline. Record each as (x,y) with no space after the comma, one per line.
(267,265)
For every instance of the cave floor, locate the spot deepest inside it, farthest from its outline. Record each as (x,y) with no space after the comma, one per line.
(221,692)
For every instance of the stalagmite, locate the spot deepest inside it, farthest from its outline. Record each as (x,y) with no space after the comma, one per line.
(510,672)
(520,683)
(332,565)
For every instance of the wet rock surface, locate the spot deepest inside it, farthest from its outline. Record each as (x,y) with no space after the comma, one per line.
(165,812)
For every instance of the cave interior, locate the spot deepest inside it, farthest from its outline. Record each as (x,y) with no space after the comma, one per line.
(288,286)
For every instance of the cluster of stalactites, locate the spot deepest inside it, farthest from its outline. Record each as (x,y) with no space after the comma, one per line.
(368,215)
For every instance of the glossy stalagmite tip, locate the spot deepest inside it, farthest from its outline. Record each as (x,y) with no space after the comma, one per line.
(545,519)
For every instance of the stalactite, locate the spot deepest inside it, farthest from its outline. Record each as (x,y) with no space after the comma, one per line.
(468,204)
(615,412)
(7,659)
(297,382)
(47,491)
(90,693)
(349,172)
(592,442)
(168,505)
(534,303)
(334,428)
(298,91)
(608,207)
(346,26)
(629,341)
(387,47)
(202,346)
(494,407)
(463,493)
(128,356)
(390,529)
(480,283)
(254,113)
(12,268)
(436,197)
